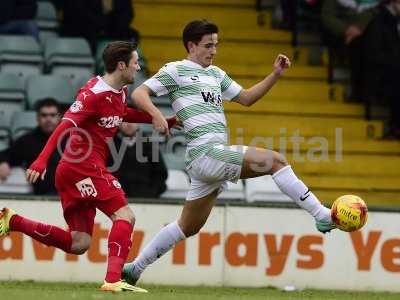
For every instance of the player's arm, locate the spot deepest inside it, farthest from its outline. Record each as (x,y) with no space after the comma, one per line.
(141,97)
(82,109)
(248,97)
(38,167)
(137,116)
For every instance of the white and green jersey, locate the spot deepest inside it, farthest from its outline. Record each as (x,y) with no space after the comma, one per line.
(196,95)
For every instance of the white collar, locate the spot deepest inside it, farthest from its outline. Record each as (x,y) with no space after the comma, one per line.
(104,86)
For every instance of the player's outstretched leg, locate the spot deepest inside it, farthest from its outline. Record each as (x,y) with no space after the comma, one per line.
(119,244)
(259,162)
(165,240)
(47,234)
(193,217)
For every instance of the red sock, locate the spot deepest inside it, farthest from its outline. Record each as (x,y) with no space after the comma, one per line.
(119,244)
(47,234)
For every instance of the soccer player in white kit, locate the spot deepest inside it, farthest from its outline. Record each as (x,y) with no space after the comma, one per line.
(196,89)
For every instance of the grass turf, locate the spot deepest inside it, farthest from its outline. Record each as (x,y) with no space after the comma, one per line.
(13,290)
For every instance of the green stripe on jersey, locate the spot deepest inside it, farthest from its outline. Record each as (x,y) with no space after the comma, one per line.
(197,151)
(225,155)
(198,109)
(167,81)
(226,82)
(215,73)
(198,131)
(193,89)
(188,71)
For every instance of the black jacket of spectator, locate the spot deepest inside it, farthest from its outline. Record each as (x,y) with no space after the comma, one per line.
(141,179)
(118,21)
(25,150)
(86,18)
(382,54)
(17,10)
(81,17)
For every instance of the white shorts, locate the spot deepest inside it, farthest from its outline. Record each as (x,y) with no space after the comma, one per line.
(211,171)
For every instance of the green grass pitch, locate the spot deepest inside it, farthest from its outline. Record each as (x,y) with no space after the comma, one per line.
(37,290)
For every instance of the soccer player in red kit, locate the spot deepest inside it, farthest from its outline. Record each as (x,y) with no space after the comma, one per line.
(82,179)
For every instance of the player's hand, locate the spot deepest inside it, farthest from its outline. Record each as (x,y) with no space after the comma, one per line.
(351,33)
(5,171)
(174,122)
(37,169)
(160,124)
(281,63)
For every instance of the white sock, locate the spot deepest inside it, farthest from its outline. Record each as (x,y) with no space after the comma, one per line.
(165,240)
(290,185)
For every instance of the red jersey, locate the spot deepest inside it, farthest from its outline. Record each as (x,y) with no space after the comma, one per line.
(97,112)
(91,122)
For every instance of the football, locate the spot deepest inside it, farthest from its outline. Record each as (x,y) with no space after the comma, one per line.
(349,213)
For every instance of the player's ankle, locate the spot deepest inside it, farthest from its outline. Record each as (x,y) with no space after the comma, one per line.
(137,268)
(324,215)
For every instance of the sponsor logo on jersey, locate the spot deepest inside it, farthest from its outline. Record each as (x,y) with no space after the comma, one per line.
(195,78)
(76,106)
(110,122)
(212,98)
(86,187)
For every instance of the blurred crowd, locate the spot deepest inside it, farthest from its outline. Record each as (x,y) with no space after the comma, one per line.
(361,35)
(144,178)
(364,34)
(91,19)
(367,33)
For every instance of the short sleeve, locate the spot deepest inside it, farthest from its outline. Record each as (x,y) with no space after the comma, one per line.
(230,89)
(164,82)
(82,109)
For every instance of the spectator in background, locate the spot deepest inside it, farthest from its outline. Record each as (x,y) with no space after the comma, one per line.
(93,19)
(289,14)
(381,50)
(137,178)
(17,17)
(343,23)
(27,147)
(118,16)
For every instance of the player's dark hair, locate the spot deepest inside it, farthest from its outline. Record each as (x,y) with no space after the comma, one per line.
(195,30)
(116,52)
(47,102)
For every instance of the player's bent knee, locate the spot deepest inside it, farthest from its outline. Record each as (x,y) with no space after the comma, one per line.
(124,213)
(80,243)
(78,250)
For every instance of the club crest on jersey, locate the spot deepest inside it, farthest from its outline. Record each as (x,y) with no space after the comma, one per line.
(86,187)
(212,98)
(116,184)
(110,122)
(76,106)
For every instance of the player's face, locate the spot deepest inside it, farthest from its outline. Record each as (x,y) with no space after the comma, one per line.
(48,119)
(129,72)
(205,50)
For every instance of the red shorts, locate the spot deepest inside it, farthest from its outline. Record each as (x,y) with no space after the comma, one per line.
(82,189)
